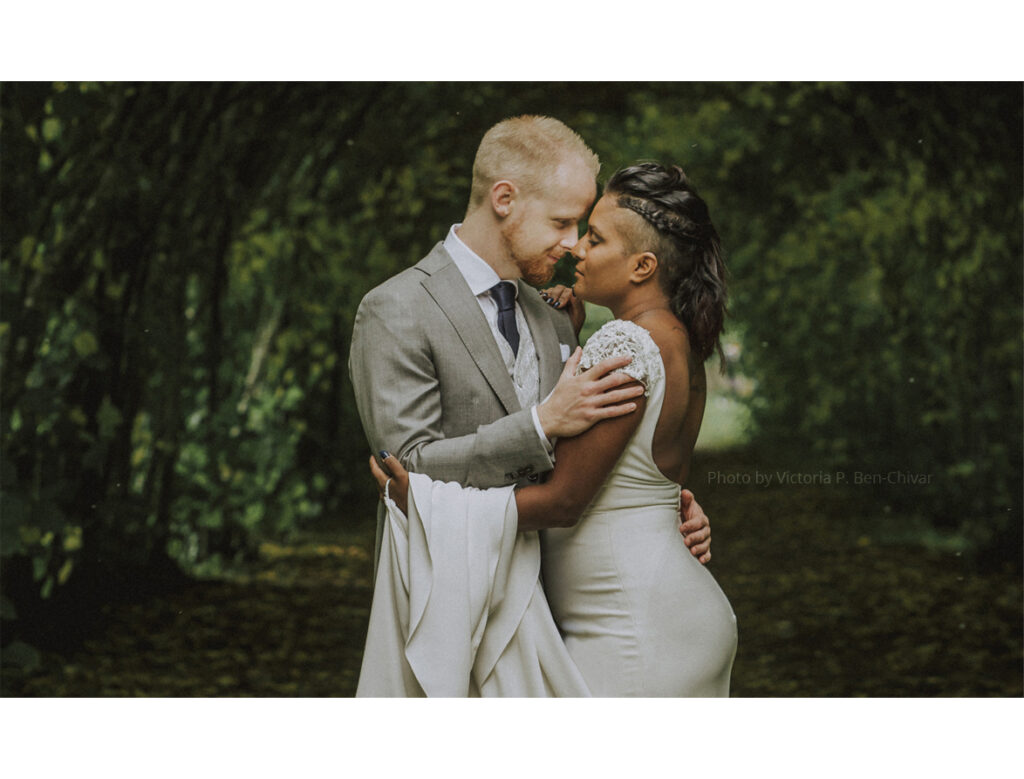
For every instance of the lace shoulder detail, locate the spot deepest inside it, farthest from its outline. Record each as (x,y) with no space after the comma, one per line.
(621,337)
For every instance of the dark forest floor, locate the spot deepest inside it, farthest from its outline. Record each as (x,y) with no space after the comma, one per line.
(825,607)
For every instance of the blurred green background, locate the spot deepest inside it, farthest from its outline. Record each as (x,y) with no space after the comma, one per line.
(181,264)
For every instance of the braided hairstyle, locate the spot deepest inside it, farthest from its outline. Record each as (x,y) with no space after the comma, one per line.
(679,232)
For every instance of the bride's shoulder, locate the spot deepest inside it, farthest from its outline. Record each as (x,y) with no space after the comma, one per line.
(619,337)
(621,332)
(671,337)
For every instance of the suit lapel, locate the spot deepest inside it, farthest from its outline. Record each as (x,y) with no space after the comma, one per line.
(447,286)
(545,339)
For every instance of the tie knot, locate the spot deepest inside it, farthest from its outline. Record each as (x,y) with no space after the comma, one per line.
(505,294)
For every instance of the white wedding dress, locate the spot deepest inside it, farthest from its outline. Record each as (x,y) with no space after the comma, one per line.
(639,614)
(458,608)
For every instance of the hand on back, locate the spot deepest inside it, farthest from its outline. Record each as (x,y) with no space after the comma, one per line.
(695,527)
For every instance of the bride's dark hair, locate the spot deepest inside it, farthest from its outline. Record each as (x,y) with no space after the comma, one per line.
(685,243)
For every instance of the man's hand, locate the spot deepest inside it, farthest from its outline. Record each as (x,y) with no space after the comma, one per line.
(564,299)
(577,403)
(694,525)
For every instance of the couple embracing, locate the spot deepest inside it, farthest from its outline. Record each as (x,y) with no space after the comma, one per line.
(529,531)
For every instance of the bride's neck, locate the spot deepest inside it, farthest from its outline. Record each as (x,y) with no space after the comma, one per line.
(638,305)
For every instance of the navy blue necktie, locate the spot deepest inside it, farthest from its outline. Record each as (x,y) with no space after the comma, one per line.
(505,295)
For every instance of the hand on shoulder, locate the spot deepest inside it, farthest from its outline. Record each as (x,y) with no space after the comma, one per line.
(580,400)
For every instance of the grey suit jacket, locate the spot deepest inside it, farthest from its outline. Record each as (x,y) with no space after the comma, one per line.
(431,386)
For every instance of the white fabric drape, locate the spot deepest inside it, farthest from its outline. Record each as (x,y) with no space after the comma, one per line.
(458,609)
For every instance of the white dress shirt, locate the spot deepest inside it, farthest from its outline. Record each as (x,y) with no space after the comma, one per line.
(523,367)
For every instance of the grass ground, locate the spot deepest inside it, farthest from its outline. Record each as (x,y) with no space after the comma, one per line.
(827,605)
(831,598)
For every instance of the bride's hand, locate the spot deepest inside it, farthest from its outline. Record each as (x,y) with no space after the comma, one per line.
(399,477)
(564,299)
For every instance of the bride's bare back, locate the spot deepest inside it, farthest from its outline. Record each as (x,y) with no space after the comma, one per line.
(685,396)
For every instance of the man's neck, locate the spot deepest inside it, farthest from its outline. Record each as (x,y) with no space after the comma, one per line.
(482,235)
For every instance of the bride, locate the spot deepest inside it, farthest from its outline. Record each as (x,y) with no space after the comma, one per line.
(458,606)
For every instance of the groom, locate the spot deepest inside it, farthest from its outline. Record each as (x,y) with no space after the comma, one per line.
(457,363)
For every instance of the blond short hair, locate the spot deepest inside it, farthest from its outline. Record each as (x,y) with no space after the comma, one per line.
(525,150)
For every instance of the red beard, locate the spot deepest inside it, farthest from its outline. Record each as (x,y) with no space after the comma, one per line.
(536,272)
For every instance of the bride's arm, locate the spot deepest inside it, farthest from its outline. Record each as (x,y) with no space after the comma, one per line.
(582,464)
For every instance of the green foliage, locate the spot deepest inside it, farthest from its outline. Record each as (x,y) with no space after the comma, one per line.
(875,237)
(180,265)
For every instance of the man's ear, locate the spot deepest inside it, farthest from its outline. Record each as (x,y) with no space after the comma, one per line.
(503,196)
(642,266)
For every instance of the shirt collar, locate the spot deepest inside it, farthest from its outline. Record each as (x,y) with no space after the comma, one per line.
(478,274)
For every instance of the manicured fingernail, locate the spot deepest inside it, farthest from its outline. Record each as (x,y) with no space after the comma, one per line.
(384,454)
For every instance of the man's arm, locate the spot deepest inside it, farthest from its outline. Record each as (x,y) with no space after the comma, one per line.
(399,400)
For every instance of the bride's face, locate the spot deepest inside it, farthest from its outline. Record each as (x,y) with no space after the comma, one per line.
(602,255)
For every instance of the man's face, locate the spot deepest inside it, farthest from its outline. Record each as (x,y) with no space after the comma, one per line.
(546,225)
